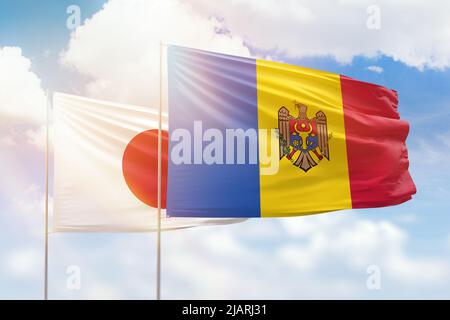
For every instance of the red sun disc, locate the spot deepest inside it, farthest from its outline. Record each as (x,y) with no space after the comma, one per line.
(140,167)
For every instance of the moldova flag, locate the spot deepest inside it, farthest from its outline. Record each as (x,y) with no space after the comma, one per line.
(255,138)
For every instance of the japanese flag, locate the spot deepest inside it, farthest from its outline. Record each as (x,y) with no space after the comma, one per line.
(106,168)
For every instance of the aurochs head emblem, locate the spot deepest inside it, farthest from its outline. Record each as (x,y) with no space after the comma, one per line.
(303,140)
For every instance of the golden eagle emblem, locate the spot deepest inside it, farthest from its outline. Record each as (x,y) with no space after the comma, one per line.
(303,140)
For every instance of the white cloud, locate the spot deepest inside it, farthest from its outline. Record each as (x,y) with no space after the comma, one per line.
(323,256)
(8,140)
(22,115)
(339,28)
(37,137)
(376,69)
(22,263)
(431,271)
(21,95)
(327,259)
(22,102)
(30,201)
(359,243)
(47,53)
(103,292)
(119,47)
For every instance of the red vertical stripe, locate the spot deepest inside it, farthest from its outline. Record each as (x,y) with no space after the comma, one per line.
(376,151)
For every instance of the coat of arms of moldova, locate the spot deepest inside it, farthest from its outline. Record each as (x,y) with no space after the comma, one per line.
(303,140)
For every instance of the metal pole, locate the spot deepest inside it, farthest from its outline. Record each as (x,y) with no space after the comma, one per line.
(158,234)
(49,97)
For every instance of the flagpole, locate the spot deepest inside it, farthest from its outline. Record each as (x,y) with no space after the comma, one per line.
(158,234)
(49,97)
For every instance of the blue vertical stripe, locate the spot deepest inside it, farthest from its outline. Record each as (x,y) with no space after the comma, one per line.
(220,91)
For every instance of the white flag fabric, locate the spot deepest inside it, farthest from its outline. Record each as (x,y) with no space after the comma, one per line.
(89,188)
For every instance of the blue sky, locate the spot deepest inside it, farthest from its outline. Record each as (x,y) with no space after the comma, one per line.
(229,261)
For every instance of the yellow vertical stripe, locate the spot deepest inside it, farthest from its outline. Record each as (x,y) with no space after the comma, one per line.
(291,191)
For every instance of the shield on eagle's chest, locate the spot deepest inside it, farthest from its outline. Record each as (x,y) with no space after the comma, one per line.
(303,140)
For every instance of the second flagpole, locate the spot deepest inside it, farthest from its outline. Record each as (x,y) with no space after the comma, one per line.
(47,142)
(158,234)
